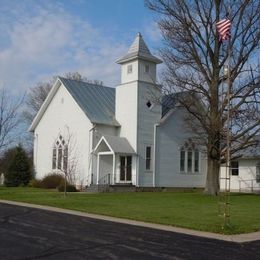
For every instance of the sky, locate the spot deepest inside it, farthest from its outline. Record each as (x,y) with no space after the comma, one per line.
(43,38)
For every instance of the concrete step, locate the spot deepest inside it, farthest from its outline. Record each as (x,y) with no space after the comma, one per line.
(94,188)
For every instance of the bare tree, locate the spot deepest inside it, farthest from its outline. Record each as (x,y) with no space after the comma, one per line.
(35,98)
(78,76)
(9,118)
(195,62)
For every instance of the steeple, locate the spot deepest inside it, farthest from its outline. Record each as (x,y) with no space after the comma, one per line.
(138,49)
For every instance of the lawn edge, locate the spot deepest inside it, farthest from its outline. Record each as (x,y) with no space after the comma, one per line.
(237,238)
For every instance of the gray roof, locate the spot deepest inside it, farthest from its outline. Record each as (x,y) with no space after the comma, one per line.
(252,151)
(119,144)
(170,101)
(140,50)
(97,102)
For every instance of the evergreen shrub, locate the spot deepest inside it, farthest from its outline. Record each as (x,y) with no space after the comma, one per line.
(69,187)
(52,181)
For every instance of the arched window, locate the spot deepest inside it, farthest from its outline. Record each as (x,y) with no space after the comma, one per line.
(189,158)
(60,155)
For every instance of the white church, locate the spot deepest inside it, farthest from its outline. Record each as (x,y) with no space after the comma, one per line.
(121,135)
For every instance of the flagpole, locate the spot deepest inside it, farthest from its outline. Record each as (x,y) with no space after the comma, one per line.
(228,150)
(223,28)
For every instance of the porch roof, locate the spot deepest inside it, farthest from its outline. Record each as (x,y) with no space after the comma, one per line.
(116,144)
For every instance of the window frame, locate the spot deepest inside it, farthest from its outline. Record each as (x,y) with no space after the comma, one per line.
(257,177)
(196,159)
(189,160)
(60,154)
(234,169)
(148,158)
(182,160)
(129,68)
(146,68)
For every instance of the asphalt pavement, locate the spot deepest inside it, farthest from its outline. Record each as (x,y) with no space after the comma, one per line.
(28,233)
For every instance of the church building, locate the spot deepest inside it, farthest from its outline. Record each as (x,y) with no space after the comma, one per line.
(128,134)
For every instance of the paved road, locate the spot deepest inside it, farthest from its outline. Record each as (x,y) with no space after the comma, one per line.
(27,233)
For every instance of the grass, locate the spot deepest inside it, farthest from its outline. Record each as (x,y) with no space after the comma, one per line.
(193,210)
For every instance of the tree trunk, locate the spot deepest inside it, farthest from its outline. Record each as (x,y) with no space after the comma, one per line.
(212,181)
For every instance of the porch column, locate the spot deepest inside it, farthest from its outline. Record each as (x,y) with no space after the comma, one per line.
(98,168)
(114,169)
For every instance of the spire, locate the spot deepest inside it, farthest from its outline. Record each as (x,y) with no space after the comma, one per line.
(138,49)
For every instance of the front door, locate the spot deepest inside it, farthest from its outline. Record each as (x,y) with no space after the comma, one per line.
(125,168)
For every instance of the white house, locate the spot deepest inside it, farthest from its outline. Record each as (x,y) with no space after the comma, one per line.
(245,172)
(119,135)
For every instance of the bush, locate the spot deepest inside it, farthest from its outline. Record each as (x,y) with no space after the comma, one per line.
(52,181)
(69,188)
(34,183)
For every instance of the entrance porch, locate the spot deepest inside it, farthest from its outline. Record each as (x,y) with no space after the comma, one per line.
(116,162)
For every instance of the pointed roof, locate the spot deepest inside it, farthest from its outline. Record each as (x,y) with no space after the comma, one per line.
(138,49)
(116,144)
(97,102)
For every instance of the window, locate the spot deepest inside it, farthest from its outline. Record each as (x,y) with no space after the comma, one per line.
(182,161)
(60,155)
(196,160)
(54,157)
(148,158)
(234,168)
(258,173)
(148,104)
(189,159)
(65,158)
(146,68)
(129,69)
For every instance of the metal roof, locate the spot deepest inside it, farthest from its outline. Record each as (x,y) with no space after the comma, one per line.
(138,49)
(117,144)
(252,151)
(170,101)
(97,102)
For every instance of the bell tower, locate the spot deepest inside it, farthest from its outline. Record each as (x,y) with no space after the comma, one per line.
(137,101)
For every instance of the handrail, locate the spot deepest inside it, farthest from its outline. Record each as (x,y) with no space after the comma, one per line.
(104,180)
(250,185)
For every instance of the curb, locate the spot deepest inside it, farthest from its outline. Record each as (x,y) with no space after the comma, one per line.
(241,238)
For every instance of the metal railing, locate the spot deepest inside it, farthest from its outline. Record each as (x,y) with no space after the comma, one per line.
(105,180)
(251,185)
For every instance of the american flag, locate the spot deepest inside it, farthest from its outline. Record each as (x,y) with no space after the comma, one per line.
(223,28)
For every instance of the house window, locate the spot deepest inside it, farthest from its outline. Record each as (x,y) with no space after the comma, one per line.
(60,155)
(258,173)
(189,159)
(148,158)
(234,168)
(146,68)
(129,69)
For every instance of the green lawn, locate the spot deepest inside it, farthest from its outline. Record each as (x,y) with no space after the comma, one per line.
(192,210)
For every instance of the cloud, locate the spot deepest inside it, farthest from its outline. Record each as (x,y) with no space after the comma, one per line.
(152,32)
(49,41)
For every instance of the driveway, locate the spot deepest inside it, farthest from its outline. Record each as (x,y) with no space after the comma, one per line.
(27,233)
